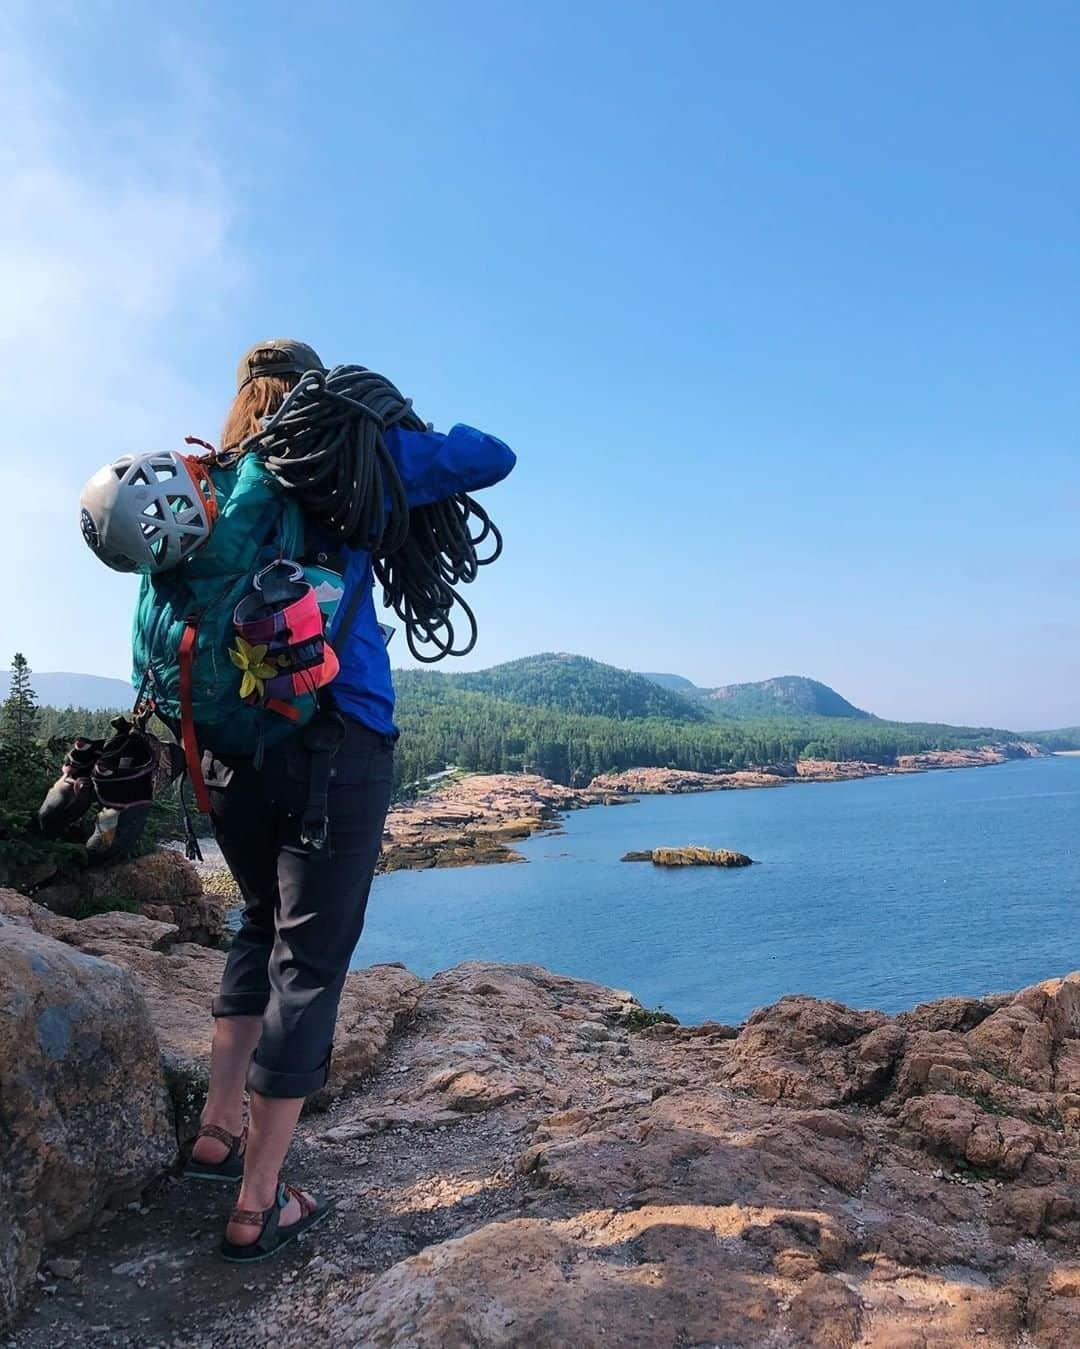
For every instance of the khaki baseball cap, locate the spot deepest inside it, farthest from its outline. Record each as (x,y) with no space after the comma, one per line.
(277,356)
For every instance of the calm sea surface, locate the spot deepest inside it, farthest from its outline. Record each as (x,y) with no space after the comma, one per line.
(880,893)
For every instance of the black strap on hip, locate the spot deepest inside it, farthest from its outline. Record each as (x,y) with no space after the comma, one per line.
(323,737)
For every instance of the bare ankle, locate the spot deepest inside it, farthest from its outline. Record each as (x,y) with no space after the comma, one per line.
(257,1194)
(232,1121)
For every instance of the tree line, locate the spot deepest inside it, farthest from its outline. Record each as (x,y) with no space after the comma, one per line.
(441,724)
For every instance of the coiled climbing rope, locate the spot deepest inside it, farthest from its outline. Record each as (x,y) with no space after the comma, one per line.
(326,445)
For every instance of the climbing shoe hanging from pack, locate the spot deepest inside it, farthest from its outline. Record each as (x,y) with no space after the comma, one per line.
(133,766)
(115,833)
(130,770)
(123,775)
(124,770)
(72,794)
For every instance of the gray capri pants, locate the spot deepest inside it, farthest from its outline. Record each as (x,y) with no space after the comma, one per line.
(304,909)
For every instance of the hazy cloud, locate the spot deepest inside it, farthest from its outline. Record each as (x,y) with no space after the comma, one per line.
(109,239)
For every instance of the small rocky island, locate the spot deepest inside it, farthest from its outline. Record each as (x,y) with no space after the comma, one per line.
(691,857)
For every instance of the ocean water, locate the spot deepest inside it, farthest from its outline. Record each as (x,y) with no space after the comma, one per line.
(880,893)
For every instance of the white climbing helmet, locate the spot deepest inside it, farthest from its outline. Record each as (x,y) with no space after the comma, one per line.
(148,512)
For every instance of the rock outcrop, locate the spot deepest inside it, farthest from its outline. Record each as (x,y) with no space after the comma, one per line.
(841,770)
(163,886)
(953,758)
(533,1160)
(179,985)
(474,819)
(178,981)
(826,1177)
(674,781)
(84,1116)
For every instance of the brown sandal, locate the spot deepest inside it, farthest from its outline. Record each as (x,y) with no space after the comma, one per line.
(272,1236)
(230,1168)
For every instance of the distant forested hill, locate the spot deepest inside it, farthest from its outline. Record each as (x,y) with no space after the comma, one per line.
(443,721)
(677,683)
(788,695)
(580,686)
(785,696)
(590,688)
(1067,737)
(81,690)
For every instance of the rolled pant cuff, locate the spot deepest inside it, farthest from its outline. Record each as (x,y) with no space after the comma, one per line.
(286,1086)
(239,1004)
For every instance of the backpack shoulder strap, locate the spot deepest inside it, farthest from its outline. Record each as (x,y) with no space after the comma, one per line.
(343,625)
(188,738)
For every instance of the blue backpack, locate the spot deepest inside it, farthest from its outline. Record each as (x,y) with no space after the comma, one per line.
(186,657)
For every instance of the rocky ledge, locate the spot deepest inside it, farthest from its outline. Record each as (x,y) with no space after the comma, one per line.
(672,781)
(475,818)
(970,758)
(162,886)
(527,1160)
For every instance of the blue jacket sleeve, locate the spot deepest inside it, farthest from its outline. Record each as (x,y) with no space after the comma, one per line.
(435,466)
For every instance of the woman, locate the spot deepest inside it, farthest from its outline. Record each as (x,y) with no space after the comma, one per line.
(304,907)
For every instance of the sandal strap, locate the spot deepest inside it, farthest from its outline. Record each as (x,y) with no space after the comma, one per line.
(266,1218)
(222,1135)
(249,1217)
(306,1205)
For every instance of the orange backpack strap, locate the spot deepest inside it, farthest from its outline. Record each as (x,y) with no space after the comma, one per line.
(199,470)
(185,659)
(287,710)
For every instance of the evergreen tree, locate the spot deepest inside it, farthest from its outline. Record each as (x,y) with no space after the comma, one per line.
(19,713)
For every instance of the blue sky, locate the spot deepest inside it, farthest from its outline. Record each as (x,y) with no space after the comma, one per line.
(776,302)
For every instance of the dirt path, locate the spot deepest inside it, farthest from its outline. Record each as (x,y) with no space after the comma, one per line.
(150,1275)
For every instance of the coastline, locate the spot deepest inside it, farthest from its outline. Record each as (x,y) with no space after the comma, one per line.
(474,820)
